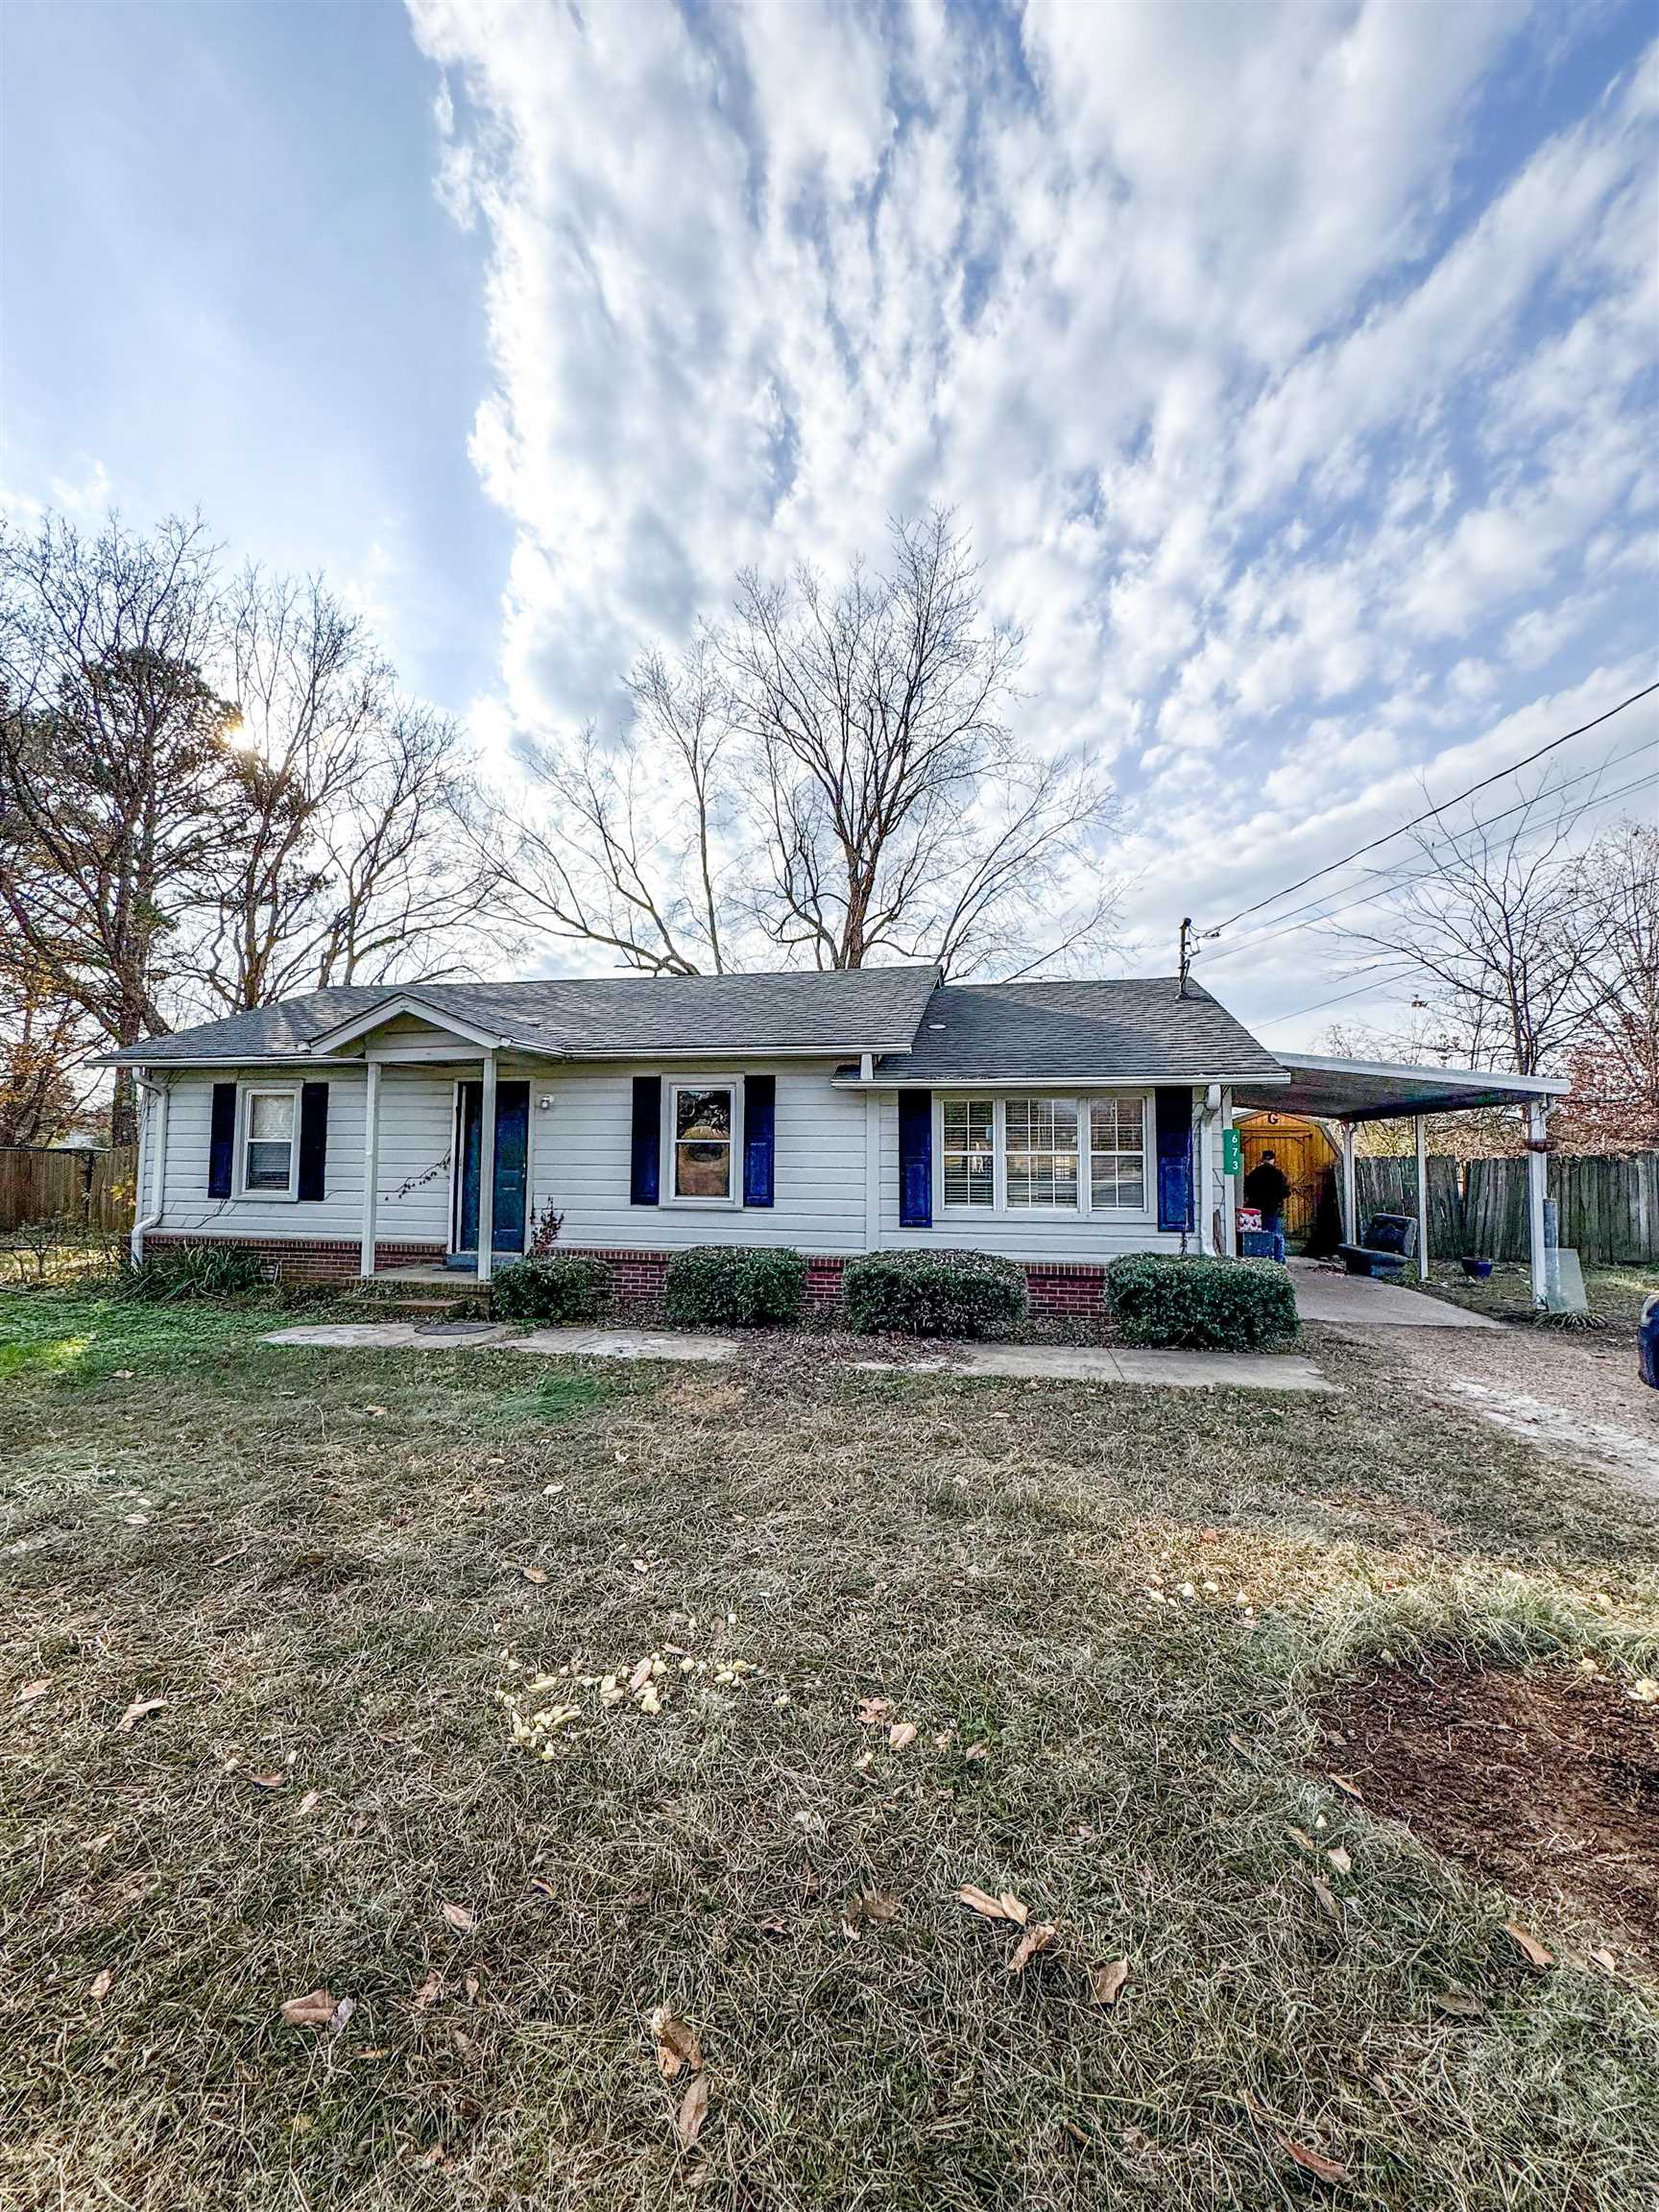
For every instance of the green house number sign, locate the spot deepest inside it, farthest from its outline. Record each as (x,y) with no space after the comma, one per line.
(1232,1151)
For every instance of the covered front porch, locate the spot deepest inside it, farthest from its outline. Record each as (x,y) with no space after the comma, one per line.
(1345,1093)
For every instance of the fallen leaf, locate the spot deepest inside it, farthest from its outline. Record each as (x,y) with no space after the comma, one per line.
(692,2112)
(460,1916)
(1604,1959)
(1529,1945)
(542,1886)
(471,1986)
(308,1803)
(640,1566)
(535,1575)
(1034,1940)
(1349,1788)
(901,1735)
(1301,1838)
(316,2009)
(1327,1897)
(101,1984)
(269,1781)
(430,1991)
(1459,2004)
(977,1751)
(342,2013)
(677,2045)
(30,1690)
(873,1710)
(123,1374)
(1313,2161)
(1014,1907)
(980,1901)
(1339,1858)
(773,1928)
(878,1907)
(640,1675)
(137,1712)
(1106,1982)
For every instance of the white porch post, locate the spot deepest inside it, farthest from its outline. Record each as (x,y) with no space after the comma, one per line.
(370,1168)
(1421,1130)
(1229,1191)
(1350,1226)
(1537,1175)
(487,1171)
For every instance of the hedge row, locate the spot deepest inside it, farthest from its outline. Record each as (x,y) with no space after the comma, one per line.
(1229,1305)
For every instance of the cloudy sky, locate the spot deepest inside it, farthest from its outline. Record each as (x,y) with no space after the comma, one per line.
(1294,368)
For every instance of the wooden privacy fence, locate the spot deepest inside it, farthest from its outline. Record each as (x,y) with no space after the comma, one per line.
(95,1188)
(1609,1204)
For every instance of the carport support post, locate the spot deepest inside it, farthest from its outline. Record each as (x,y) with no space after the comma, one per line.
(370,1168)
(1537,1177)
(487,1171)
(1420,1130)
(1350,1227)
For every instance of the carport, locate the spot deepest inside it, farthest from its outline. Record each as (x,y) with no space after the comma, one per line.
(1344,1093)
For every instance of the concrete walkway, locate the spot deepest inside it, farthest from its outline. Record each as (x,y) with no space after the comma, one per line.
(1037,1362)
(1362,1302)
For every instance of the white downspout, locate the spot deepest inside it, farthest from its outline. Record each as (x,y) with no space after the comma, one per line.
(1537,1185)
(371,1170)
(155,1098)
(1420,1132)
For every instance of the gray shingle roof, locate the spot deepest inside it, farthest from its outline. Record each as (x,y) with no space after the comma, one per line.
(592,1018)
(1132,1031)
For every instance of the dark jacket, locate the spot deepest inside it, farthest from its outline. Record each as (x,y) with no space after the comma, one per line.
(1265,1187)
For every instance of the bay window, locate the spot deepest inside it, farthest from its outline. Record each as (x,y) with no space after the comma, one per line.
(1030,1155)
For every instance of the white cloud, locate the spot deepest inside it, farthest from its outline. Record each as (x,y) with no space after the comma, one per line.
(1298,399)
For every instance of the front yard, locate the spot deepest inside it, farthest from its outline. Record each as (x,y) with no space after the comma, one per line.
(1150,1662)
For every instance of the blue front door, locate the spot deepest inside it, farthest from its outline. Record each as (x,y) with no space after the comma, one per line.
(512,1163)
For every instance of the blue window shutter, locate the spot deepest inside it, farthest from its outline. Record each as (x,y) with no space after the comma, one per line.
(647,1150)
(915,1158)
(759,1121)
(222,1141)
(313,1139)
(1173,1117)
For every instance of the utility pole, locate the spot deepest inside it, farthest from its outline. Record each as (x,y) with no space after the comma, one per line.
(1184,957)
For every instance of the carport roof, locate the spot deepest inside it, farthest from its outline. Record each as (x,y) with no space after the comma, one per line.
(1376,1091)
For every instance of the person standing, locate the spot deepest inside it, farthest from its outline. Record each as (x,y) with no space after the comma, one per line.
(1267,1188)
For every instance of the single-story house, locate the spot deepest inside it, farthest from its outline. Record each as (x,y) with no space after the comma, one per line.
(368,1129)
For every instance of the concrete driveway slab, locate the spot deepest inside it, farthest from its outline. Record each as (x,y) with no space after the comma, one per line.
(1360,1302)
(1152,1368)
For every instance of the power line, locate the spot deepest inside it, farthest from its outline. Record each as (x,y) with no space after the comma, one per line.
(1392,880)
(1497,777)
(1319,1005)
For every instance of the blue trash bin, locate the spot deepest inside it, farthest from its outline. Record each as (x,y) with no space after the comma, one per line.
(1648,1340)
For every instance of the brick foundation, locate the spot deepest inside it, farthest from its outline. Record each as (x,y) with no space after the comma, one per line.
(1058,1289)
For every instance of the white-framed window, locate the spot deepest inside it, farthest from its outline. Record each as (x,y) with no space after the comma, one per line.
(968,1151)
(1118,1179)
(269,1147)
(1020,1155)
(702,1139)
(1040,1153)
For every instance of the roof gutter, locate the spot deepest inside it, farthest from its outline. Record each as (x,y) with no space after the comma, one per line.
(1028,1081)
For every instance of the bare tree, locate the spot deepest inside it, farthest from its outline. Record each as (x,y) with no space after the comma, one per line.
(632,857)
(45,1042)
(1615,1068)
(1499,928)
(349,869)
(119,795)
(827,776)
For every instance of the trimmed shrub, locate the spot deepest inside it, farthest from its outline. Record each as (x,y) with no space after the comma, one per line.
(180,1271)
(734,1287)
(1227,1305)
(933,1293)
(551,1286)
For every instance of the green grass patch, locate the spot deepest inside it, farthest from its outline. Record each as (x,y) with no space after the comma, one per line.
(336,1567)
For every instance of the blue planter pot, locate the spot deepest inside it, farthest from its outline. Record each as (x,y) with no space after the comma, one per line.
(1477,1270)
(1648,1340)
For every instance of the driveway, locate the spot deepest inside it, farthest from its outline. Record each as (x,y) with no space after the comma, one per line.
(1362,1302)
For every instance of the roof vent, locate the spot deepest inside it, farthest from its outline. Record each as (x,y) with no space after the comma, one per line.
(935,1025)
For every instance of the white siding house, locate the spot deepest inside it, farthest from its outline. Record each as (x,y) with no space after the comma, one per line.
(352,1132)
